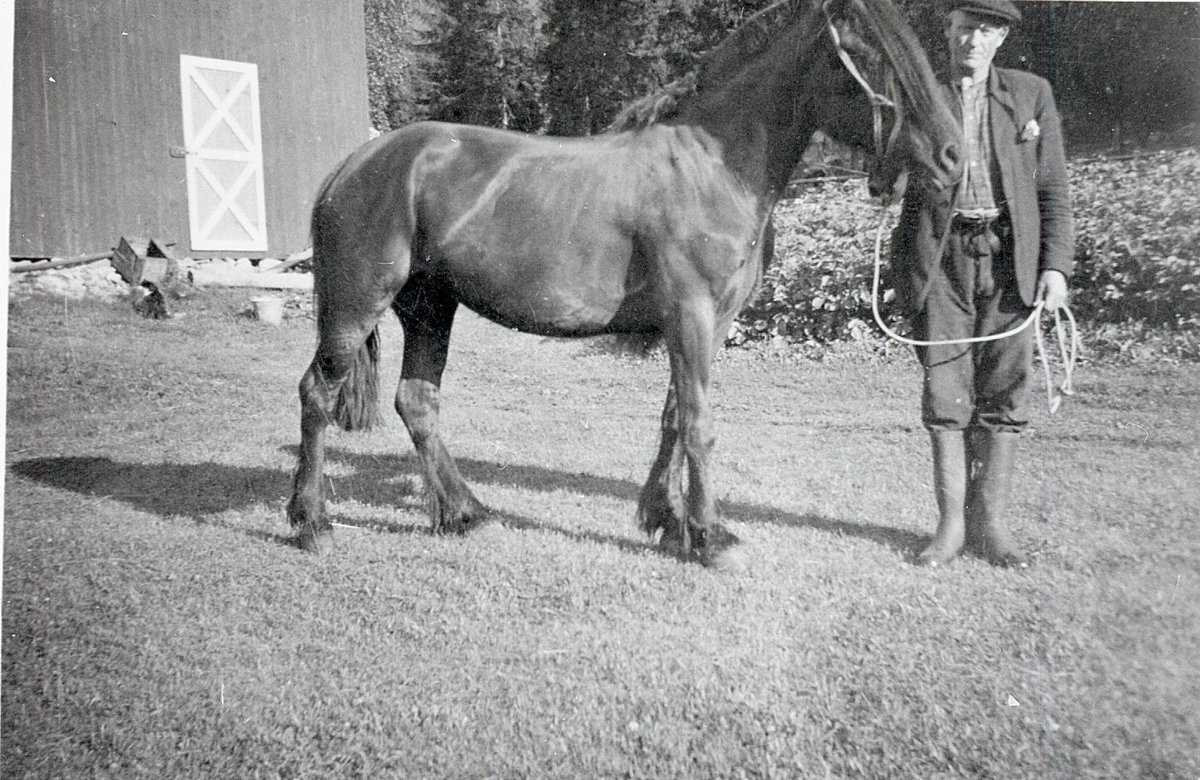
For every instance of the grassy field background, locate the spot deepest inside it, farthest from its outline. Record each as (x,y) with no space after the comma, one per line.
(157,622)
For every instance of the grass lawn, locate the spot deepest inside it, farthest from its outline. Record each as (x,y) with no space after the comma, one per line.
(157,622)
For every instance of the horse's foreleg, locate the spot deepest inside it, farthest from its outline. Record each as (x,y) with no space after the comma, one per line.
(690,373)
(427,317)
(692,348)
(660,504)
(690,357)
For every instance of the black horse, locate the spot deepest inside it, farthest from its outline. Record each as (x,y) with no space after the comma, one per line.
(654,227)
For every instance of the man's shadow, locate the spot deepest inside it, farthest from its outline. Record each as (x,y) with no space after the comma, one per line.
(203,491)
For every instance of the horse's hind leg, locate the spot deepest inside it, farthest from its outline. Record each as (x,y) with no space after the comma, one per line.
(427,315)
(323,399)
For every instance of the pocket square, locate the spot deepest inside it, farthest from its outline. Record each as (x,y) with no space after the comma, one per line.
(1031,130)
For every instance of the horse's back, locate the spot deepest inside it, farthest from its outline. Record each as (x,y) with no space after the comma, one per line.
(565,236)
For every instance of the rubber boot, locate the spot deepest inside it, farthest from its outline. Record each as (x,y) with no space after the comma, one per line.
(950,485)
(987,504)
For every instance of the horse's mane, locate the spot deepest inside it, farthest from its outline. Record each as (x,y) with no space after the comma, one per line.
(744,43)
(751,38)
(656,106)
(903,52)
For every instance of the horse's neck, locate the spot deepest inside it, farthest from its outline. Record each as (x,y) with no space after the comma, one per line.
(757,117)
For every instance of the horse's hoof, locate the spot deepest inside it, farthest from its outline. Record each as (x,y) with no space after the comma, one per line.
(457,517)
(314,540)
(714,548)
(462,524)
(472,521)
(935,558)
(1002,553)
(673,546)
(723,551)
(1008,560)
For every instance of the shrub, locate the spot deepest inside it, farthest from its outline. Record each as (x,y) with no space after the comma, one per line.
(817,290)
(1138,240)
(1136,290)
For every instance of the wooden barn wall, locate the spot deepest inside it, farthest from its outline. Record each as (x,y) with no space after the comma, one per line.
(97,109)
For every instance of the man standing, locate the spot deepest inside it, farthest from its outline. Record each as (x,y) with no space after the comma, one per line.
(975,266)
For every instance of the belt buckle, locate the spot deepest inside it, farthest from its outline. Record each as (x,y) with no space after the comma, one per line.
(978,218)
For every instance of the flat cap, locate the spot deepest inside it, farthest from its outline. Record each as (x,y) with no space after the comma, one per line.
(1003,10)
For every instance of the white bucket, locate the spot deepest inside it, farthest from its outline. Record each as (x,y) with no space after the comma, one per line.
(268,310)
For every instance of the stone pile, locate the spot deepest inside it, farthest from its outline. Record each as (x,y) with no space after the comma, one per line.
(98,279)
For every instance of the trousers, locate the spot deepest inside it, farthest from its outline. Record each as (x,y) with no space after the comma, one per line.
(983,385)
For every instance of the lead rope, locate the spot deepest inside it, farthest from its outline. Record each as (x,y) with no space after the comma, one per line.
(1069,356)
(1068,347)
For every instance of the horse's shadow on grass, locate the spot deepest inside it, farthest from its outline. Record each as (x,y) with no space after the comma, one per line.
(540,479)
(203,491)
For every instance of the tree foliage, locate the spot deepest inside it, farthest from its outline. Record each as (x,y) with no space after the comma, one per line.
(588,70)
(399,63)
(601,55)
(1122,72)
(487,64)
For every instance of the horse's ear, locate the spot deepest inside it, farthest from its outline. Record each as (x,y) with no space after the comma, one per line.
(844,32)
(838,12)
(834,9)
(849,35)
(854,43)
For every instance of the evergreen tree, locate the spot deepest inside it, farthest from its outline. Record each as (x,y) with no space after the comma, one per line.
(487,59)
(399,65)
(1121,71)
(587,70)
(602,54)
(1152,85)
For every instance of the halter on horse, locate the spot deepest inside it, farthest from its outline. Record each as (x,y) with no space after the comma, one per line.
(655,227)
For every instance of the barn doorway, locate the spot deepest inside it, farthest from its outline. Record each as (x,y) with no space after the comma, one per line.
(222,138)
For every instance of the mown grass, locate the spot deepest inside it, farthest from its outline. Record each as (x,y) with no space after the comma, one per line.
(158,623)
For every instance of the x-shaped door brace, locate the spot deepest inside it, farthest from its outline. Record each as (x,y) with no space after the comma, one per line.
(221,110)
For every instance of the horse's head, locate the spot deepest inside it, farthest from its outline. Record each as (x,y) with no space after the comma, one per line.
(882,96)
(853,68)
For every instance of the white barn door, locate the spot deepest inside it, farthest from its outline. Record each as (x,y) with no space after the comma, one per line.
(227,207)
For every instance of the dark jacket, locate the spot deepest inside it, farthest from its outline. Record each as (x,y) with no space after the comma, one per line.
(1033,179)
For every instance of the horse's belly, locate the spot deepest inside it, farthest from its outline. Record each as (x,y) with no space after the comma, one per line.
(571,292)
(540,261)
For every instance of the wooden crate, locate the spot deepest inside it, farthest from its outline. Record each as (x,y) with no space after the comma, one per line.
(140,260)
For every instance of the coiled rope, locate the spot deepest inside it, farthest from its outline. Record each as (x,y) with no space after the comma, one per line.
(1068,343)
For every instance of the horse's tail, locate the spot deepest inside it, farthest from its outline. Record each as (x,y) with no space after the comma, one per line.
(357,406)
(358,401)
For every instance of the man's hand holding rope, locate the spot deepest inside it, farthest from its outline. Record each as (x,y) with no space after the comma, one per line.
(1051,290)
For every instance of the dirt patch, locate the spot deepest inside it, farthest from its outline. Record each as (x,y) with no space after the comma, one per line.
(101,281)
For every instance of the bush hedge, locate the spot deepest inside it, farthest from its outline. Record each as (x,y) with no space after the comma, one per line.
(1135,293)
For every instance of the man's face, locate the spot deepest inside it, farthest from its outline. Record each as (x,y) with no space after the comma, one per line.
(973,41)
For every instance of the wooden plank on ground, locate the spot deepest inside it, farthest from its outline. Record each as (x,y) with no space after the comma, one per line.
(205,277)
